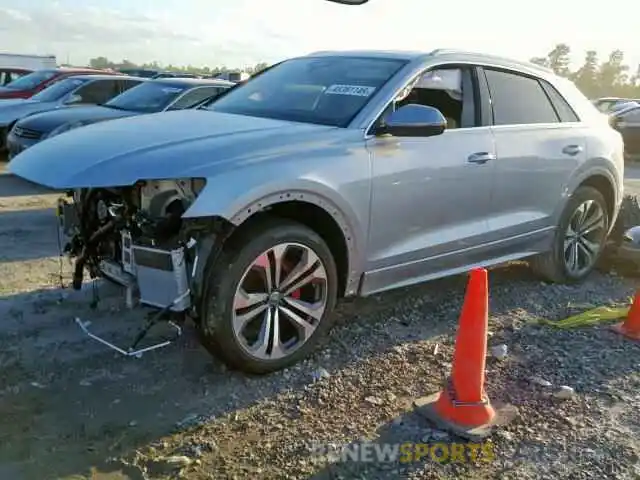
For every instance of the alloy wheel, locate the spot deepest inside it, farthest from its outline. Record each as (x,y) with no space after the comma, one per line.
(280,301)
(584,237)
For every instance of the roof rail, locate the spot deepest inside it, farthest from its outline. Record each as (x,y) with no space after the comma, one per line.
(442,51)
(439,51)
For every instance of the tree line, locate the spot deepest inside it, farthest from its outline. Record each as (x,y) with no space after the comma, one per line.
(105,63)
(609,77)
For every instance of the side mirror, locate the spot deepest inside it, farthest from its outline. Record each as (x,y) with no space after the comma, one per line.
(73,99)
(413,121)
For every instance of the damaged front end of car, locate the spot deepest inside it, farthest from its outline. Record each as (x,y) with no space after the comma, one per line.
(137,237)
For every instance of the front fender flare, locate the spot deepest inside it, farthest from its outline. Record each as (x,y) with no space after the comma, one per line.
(237,199)
(598,167)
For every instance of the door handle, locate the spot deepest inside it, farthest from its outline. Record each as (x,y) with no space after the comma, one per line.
(572,150)
(481,157)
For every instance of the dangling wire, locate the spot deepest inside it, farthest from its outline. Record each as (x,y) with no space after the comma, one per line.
(60,255)
(95,294)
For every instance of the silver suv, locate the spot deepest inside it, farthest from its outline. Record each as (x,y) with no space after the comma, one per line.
(336,174)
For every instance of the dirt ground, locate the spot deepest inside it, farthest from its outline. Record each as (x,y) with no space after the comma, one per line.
(72,409)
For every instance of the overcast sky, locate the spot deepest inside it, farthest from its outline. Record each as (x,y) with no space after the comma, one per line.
(244,32)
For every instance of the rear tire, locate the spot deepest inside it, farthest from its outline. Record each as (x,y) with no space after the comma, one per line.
(579,239)
(256,273)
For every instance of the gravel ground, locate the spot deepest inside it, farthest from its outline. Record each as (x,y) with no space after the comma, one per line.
(72,409)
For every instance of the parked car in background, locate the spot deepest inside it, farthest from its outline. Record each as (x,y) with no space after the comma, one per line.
(150,96)
(609,104)
(336,174)
(236,77)
(28,62)
(176,75)
(619,107)
(34,82)
(9,74)
(627,122)
(140,72)
(74,90)
(150,73)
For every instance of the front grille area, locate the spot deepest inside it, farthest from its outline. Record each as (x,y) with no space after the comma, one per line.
(27,133)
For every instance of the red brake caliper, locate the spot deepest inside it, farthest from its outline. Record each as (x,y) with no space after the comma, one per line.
(296,294)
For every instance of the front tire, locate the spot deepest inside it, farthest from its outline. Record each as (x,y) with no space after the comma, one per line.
(268,299)
(579,240)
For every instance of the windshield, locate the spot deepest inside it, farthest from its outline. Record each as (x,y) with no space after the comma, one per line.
(320,90)
(31,80)
(58,90)
(621,106)
(148,97)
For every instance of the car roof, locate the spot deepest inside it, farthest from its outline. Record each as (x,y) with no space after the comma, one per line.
(105,76)
(76,69)
(193,81)
(395,54)
(449,54)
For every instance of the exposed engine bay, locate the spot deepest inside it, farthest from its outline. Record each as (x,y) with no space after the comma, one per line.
(135,237)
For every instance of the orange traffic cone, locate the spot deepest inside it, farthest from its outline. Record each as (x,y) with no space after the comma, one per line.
(631,326)
(462,407)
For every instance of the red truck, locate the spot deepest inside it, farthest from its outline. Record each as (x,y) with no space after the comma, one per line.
(32,83)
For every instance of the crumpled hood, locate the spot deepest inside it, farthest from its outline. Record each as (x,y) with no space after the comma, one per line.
(167,145)
(15,110)
(45,122)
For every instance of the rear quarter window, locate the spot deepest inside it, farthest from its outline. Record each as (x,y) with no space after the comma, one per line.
(581,105)
(562,107)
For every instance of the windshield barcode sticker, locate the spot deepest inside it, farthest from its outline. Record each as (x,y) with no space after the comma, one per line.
(354,90)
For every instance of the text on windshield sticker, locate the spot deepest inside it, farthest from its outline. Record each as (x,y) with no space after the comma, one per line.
(354,90)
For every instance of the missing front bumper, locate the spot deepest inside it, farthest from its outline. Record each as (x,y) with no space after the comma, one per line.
(160,277)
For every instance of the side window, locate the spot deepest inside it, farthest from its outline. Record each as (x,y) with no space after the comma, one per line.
(126,84)
(562,107)
(518,100)
(195,96)
(98,91)
(451,90)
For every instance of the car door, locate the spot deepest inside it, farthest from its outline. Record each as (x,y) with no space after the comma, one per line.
(628,124)
(539,143)
(431,197)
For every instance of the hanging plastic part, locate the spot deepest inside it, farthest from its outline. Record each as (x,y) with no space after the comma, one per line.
(131,351)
